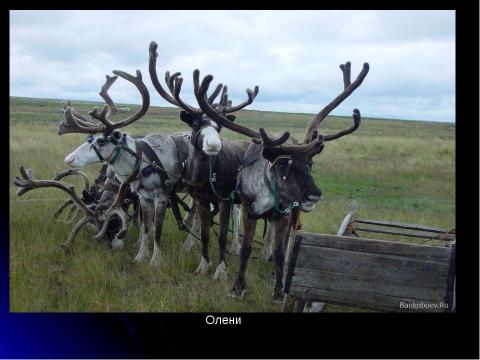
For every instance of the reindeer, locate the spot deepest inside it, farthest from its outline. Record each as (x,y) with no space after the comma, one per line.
(212,164)
(92,202)
(279,183)
(151,166)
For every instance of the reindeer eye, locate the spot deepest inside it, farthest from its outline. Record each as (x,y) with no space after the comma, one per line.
(101,141)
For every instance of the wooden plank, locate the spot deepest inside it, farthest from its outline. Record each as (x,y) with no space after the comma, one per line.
(299,305)
(389,267)
(402,225)
(375,246)
(444,237)
(417,289)
(313,307)
(367,299)
(348,219)
(288,303)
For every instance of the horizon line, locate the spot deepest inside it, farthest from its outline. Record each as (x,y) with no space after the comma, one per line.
(272,111)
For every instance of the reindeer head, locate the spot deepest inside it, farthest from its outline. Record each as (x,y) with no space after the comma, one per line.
(104,142)
(290,162)
(205,131)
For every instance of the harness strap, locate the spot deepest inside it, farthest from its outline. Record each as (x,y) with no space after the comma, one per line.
(212,177)
(274,191)
(174,200)
(152,156)
(138,161)
(97,152)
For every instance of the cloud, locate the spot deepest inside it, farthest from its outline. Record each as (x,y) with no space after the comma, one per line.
(292,55)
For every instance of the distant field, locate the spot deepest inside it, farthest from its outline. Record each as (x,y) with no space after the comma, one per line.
(396,170)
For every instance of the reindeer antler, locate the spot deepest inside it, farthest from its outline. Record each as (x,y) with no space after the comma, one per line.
(86,187)
(116,209)
(218,115)
(348,88)
(174,84)
(28,182)
(74,122)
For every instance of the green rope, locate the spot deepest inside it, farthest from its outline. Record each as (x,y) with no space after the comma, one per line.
(212,177)
(277,202)
(118,149)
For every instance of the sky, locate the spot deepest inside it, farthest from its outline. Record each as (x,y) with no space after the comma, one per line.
(293,56)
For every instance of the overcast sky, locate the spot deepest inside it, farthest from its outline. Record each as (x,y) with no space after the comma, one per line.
(292,55)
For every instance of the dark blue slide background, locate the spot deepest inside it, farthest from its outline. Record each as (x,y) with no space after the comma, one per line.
(325,335)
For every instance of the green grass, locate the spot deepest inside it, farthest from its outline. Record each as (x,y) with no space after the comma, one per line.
(396,170)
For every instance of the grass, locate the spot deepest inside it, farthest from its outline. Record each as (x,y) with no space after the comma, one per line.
(396,170)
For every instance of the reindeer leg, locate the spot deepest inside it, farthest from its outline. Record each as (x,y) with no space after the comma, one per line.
(194,229)
(221,271)
(147,215)
(267,250)
(117,242)
(67,245)
(192,222)
(160,208)
(239,288)
(236,246)
(281,235)
(203,211)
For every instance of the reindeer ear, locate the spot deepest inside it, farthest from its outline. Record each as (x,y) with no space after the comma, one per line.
(117,135)
(270,154)
(317,149)
(231,117)
(186,117)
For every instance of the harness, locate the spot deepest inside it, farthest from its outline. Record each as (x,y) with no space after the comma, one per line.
(212,178)
(212,175)
(270,168)
(154,165)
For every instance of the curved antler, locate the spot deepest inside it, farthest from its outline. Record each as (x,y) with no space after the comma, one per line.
(75,122)
(349,88)
(174,84)
(29,183)
(201,96)
(268,142)
(86,187)
(251,95)
(169,80)
(112,108)
(107,112)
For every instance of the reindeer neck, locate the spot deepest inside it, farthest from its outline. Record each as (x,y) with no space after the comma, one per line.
(124,165)
(224,166)
(197,166)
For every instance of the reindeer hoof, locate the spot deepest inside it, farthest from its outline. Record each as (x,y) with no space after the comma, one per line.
(221,272)
(188,244)
(141,256)
(203,267)
(67,249)
(235,249)
(238,295)
(117,244)
(155,261)
(239,290)
(267,256)
(277,296)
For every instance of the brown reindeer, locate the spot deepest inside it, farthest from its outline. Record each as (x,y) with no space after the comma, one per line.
(212,165)
(279,182)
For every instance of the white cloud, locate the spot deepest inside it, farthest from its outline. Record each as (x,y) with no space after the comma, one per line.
(292,55)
